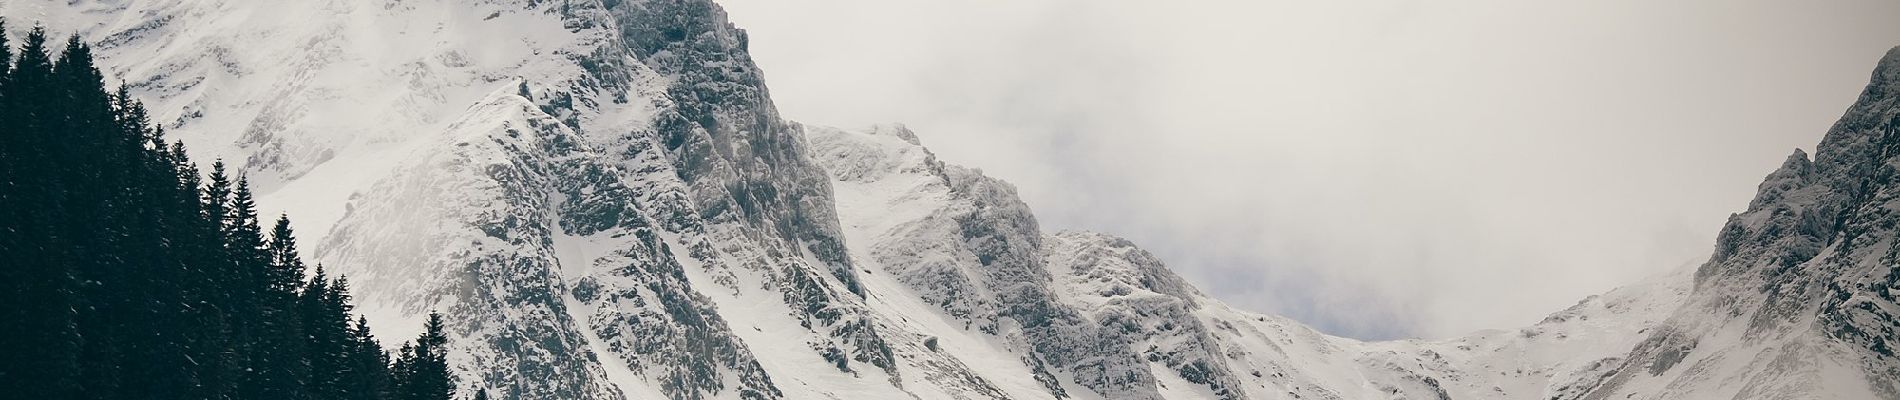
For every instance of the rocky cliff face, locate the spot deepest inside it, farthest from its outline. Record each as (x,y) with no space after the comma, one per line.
(587,181)
(1095,316)
(965,243)
(1797,301)
(602,196)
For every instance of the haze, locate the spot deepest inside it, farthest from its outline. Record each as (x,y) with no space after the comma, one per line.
(1379,169)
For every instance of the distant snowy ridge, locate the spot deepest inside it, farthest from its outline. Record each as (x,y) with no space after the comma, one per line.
(933,226)
(604,200)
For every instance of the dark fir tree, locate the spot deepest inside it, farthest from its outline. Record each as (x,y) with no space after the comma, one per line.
(329,340)
(88,183)
(368,376)
(42,336)
(287,268)
(422,369)
(223,340)
(130,275)
(274,356)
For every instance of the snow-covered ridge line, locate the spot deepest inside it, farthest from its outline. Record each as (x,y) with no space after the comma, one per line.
(604,198)
(933,227)
(1795,303)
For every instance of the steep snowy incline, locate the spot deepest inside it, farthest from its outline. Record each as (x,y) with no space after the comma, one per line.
(1093,315)
(603,198)
(311,99)
(589,188)
(1798,301)
(963,242)
(392,134)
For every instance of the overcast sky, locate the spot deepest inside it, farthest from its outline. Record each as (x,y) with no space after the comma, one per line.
(1376,168)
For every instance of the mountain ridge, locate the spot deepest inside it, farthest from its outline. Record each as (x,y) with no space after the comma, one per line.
(605,200)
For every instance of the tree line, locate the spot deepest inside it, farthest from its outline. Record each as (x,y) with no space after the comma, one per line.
(126,272)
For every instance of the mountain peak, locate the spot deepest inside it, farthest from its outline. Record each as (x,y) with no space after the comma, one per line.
(1889,66)
(894,129)
(640,222)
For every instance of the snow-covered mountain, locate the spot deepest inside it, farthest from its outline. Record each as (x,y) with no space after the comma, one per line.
(601,196)
(1105,318)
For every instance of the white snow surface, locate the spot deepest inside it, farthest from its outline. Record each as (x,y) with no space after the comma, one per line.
(509,162)
(887,184)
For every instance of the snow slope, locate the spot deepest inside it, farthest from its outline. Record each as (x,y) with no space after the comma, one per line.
(932,227)
(604,200)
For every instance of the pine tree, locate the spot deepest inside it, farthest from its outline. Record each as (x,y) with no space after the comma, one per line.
(129,275)
(217,193)
(245,239)
(41,289)
(286,273)
(216,280)
(277,361)
(369,376)
(9,151)
(422,371)
(329,340)
(160,363)
(204,281)
(85,124)
(250,261)
(96,154)
(9,156)
(149,319)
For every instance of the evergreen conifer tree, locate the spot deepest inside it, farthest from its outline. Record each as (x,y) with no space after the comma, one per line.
(329,340)
(43,332)
(286,272)
(369,376)
(422,370)
(131,276)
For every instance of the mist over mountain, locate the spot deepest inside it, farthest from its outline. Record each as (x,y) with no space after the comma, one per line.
(603,203)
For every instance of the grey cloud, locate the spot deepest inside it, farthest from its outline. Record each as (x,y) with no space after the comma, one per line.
(1378,168)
